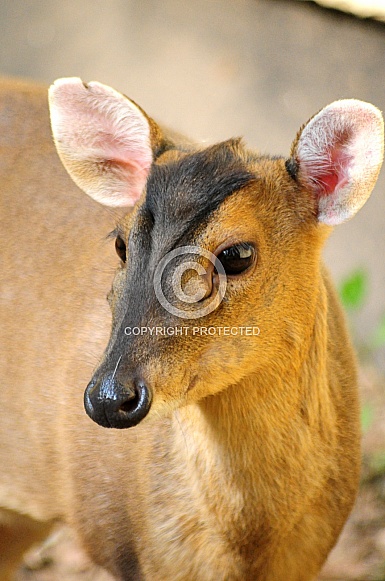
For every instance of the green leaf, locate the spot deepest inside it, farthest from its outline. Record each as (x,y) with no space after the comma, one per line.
(367,416)
(353,289)
(379,334)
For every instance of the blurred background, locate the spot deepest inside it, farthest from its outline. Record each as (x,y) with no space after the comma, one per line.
(254,68)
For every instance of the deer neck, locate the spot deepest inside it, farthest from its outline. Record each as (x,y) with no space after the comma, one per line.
(243,446)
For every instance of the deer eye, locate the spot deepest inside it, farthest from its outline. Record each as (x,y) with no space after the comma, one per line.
(237,258)
(120,247)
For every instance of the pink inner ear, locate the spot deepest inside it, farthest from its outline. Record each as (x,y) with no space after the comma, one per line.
(103,140)
(339,154)
(336,175)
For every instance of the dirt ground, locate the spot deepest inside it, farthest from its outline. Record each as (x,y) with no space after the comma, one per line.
(358,556)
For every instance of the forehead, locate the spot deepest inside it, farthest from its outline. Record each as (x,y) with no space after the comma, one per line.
(184,192)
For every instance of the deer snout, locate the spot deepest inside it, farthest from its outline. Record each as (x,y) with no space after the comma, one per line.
(114,405)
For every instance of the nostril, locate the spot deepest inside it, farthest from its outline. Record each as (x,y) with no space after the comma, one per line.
(128,405)
(139,397)
(127,399)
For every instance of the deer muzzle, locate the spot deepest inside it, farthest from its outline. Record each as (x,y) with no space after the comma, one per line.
(111,404)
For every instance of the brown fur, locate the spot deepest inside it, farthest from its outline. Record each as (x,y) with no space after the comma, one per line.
(247,464)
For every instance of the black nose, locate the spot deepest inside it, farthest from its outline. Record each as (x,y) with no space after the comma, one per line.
(113,405)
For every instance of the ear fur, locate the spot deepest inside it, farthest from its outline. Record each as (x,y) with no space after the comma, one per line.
(337,156)
(103,140)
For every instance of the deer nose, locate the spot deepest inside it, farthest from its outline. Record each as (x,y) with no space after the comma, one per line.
(114,405)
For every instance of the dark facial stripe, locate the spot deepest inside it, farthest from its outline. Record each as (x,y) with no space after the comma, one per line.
(184,192)
(181,195)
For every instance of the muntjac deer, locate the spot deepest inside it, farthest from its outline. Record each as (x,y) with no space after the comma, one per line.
(228,357)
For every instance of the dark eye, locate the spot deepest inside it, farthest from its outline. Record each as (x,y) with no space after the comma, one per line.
(120,248)
(237,258)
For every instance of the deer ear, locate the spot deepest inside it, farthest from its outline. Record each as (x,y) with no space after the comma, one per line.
(337,156)
(103,140)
